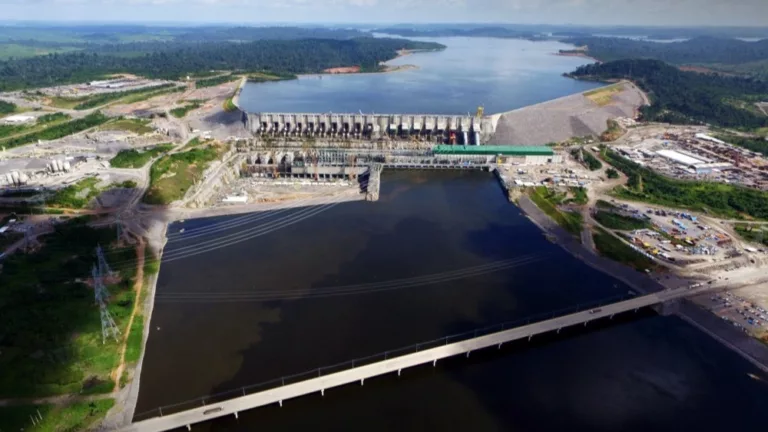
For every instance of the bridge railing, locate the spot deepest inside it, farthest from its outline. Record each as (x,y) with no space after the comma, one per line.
(362,361)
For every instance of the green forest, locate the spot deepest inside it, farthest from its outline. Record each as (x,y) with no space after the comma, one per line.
(759,145)
(716,198)
(685,97)
(172,60)
(699,50)
(6,107)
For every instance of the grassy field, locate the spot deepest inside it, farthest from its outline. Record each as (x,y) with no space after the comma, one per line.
(43,122)
(55,130)
(52,339)
(578,196)
(547,201)
(75,417)
(75,196)
(755,234)
(137,126)
(172,175)
(613,248)
(211,82)
(603,96)
(125,97)
(140,97)
(619,222)
(137,159)
(182,111)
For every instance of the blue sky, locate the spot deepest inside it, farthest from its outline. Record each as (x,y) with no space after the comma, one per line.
(611,12)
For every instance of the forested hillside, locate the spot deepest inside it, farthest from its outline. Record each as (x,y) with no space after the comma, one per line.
(172,60)
(700,50)
(686,97)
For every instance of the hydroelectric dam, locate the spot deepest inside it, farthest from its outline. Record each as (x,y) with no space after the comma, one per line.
(551,121)
(440,129)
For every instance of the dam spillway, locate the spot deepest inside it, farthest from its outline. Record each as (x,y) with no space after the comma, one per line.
(441,129)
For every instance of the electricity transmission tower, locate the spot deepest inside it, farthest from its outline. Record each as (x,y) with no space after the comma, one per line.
(103,266)
(108,326)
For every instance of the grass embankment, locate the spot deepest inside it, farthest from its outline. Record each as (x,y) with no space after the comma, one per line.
(182,111)
(172,175)
(604,96)
(613,248)
(56,131)
(78,195)
(229,104)
(52,339)
(137,126)
(137,159)
(260,77)
(44,121)
(93,101)
(619,222)
(752,233)
(78,416)
(140,97)
(548,201)
(211,82)
(719,199)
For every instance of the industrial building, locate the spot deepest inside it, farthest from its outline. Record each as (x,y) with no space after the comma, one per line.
(697,164)
(18,119)
(530,155)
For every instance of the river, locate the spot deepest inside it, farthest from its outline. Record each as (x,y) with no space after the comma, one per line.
(314,293)
(500,74)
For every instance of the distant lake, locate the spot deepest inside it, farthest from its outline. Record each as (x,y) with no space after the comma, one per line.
(500,74)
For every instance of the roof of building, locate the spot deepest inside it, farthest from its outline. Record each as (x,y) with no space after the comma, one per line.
(506,150)
(679,157)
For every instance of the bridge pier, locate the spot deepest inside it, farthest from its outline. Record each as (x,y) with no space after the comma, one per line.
(236,416)
(434,363)
(667,308)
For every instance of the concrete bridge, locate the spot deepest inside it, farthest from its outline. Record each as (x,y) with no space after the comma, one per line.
(318,381)
(453,129)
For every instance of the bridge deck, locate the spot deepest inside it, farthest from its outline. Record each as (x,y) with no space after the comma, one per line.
(396,364)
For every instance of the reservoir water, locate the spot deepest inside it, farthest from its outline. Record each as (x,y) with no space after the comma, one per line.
(500,74)
(298,289)
(301,297)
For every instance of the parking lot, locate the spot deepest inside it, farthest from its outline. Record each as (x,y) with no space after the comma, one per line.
(678,237)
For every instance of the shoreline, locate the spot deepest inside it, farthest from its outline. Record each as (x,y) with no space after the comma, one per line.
(575,54)
(746,346)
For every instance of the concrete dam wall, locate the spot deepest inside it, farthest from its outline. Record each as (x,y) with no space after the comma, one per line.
(552,121)
(467,130)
